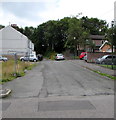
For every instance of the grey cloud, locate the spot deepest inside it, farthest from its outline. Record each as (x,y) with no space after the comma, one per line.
(26,10)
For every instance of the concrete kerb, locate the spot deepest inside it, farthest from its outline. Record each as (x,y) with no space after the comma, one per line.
(4,93)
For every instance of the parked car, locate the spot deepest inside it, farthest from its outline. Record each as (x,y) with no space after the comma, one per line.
(85,58)
(3,58)
(32,58)
(59,57)
(106,59)
(82,55)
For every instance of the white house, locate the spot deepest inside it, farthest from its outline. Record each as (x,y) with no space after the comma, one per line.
(31,47)
(12,40)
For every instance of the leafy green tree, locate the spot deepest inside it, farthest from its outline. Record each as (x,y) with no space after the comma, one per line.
(55,34)
(95,25)
(114,36)
(111,36)
(29,31)
(61,27)
(1,26)
(21,30)
(50,34)
(77,35)
(91,45)
(39,39)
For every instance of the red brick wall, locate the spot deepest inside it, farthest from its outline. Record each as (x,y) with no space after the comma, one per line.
(105,48)
(98,42)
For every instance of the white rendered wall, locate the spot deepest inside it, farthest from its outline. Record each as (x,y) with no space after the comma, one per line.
(13,40)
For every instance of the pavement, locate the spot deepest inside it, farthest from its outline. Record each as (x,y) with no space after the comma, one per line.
(97,67)
(24,84)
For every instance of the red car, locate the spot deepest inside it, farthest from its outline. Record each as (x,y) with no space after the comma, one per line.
(82,55)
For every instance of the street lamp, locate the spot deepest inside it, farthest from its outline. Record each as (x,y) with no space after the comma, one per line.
(74,49)
(86,45)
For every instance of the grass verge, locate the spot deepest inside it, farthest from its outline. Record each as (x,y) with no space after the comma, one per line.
(11,71)
(103,74)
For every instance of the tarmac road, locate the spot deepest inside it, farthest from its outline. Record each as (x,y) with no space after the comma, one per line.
(60,89)
(68,78)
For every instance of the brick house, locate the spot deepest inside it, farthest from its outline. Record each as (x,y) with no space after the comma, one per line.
(98,40)
(105,47)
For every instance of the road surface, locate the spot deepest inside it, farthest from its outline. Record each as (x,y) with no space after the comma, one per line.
(60,89)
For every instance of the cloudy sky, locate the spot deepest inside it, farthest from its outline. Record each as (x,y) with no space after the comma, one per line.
(35,12)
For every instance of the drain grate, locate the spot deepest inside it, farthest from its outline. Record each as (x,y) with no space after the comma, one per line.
(64,105)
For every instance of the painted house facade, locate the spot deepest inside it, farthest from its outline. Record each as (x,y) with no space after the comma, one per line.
(13,41)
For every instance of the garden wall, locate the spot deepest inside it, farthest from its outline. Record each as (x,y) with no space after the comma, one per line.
(92,56)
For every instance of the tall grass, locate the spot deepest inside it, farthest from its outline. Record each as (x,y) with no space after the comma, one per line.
(10,70)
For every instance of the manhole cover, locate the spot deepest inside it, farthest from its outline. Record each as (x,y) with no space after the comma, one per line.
(64,105)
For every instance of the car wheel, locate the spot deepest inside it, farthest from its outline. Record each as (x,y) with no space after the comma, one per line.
(103,62)
(34,60)
(22,59)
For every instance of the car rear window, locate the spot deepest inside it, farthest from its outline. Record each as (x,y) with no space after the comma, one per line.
(59,55)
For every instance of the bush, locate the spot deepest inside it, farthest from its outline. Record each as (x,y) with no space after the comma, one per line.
(50,55)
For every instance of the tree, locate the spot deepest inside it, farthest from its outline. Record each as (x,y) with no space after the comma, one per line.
(61,27)
(95,25)
(55,34)
(114,37)
(29,31)
(111,36)
(50,34)
(77,35)
(1,26)
(39,39)
(91,45)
